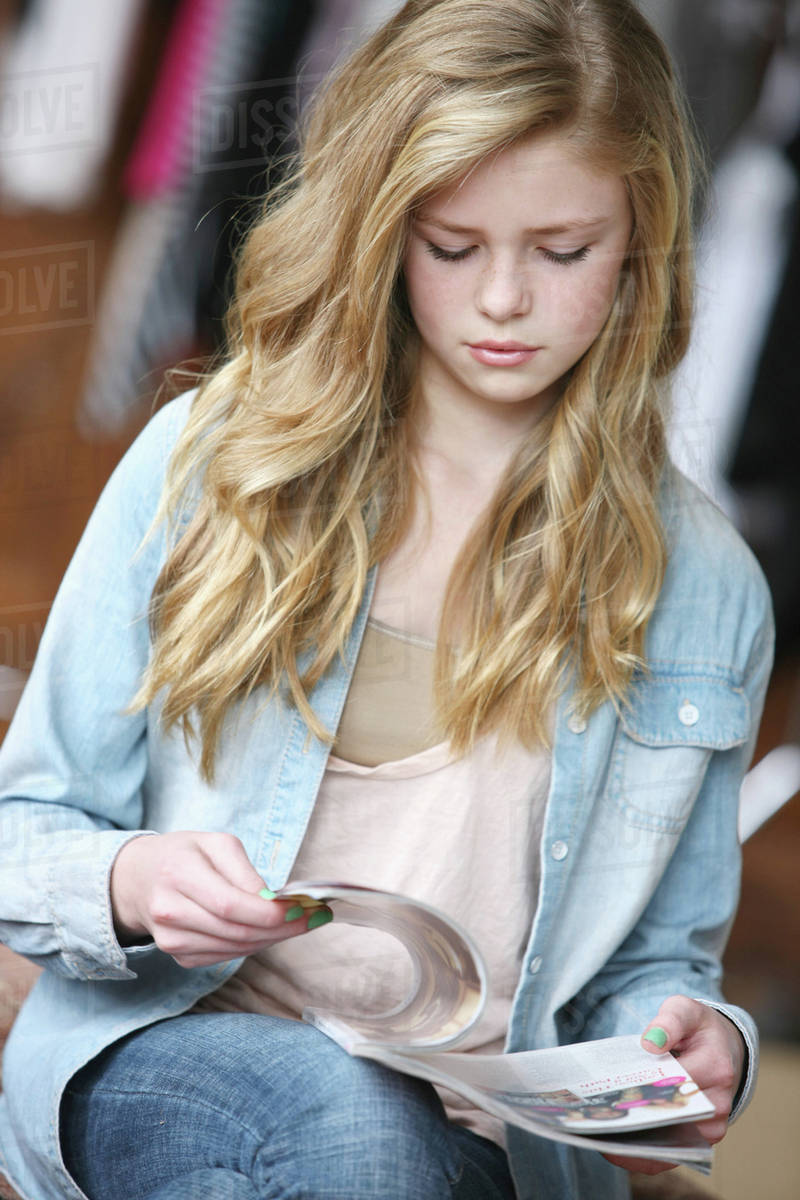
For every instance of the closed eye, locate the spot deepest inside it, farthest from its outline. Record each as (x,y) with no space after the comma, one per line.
(562,260)
(566,260)
(449,255)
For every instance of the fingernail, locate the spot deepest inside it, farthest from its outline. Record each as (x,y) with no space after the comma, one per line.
(295,913)
(322,917)
(266,894)
(657,1036)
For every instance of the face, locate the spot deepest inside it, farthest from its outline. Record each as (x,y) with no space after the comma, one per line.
(511,275)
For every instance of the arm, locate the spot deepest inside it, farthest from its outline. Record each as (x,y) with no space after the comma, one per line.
(667,972)
(677,945)
(72,764)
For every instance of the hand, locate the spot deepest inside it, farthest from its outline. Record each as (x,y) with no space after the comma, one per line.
(711,1049)
(197,896)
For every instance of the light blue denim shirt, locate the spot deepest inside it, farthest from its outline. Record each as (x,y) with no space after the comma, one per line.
(639,856)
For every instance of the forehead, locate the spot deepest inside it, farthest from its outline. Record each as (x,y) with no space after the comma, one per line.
(543,176)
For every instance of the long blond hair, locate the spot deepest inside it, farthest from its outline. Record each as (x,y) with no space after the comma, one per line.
(297,448)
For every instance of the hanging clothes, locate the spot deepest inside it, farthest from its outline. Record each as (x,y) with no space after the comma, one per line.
(160,156)
(740,261)
(765,472)
(339,26)
(196,180)
(62,80)
(736,426)
(221,105)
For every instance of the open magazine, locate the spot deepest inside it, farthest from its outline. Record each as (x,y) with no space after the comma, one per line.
(608,1095)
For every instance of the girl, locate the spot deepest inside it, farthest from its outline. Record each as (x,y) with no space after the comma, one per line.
(424,607)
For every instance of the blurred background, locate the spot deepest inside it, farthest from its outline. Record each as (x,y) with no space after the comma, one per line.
(135,140)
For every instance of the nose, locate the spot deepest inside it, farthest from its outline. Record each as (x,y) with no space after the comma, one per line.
(504,290)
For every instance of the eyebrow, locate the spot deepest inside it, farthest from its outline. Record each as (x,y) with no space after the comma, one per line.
(542,231)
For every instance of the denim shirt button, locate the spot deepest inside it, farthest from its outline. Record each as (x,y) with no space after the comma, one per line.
(559,850)
(576,724)
(535,965)
(688,713)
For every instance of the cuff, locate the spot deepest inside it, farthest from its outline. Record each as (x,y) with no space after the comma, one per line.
(81,907)
(747,1028)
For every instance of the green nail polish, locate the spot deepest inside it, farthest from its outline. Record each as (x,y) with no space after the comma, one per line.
(295,913)
(657,1036)
(266,894)
(322,917)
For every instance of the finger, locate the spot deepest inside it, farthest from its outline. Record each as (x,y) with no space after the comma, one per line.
(707,1052)
(204,901)
(713,1130)
(191,949)
(677,1020)
(227,855)
(181,912)
(711,1070)
(190,932)
(226,852)
(644,1166)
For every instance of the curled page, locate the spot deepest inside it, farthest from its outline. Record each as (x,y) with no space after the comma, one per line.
(449,985)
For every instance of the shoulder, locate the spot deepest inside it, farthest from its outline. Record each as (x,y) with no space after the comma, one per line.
(123,518)
(715,604)
(703,547)
(136,485)
(157,440)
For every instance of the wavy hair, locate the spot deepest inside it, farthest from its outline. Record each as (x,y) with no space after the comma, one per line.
(295,463)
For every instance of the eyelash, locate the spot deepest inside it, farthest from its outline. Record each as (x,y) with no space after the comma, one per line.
(562,260)
(449,255)
(566,260)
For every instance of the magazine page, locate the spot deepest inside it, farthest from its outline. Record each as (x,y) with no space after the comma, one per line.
(606,1099)
(449,986)
(607,1086)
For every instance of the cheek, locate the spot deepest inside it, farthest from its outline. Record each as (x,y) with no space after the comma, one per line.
(423,311)
(586,304)
(431,299)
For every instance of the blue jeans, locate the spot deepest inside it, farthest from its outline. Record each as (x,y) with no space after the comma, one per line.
(238,1106)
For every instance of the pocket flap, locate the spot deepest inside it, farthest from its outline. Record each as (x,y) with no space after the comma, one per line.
(687,710)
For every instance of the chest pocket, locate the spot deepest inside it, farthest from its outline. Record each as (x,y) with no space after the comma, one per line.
(667,736)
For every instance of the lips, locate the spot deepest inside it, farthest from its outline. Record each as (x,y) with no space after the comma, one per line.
(502,347)
(502,354)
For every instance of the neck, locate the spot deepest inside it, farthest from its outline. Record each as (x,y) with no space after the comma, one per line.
(477,439)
